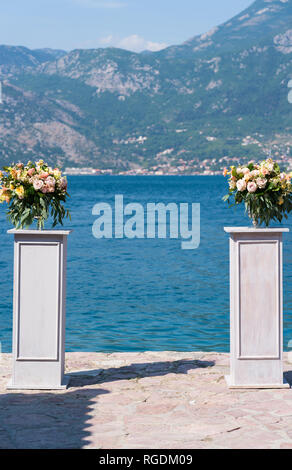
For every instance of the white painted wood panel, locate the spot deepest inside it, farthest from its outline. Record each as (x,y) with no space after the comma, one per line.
(38,303)
(259,299)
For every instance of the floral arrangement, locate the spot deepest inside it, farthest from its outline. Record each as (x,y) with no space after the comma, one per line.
(264,189)
(30,191)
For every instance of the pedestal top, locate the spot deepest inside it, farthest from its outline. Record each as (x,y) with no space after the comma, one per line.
(38,232)
(255,230)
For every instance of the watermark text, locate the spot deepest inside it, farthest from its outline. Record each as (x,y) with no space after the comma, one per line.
(156,220)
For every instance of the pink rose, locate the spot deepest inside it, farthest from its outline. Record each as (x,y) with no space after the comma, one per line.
(50,184)
(31,171)
(252,187)
(63,183)
(44,175)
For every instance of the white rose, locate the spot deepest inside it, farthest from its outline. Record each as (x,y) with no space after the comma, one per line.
(261,182)
(38,184)
(270,166)
(241,185)
(50,180)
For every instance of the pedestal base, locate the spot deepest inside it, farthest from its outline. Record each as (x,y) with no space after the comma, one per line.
(285,384)
(63,386)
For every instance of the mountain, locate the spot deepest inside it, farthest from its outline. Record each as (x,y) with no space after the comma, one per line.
(258,24)
(47,54)
(14,58)
(217,96)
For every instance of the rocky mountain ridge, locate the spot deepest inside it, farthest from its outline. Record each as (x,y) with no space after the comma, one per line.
(219,95)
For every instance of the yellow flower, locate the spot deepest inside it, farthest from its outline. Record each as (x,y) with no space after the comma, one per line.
(57,173)
(11,187)
(280,201)
(5,195)
(13,173)
(20,192)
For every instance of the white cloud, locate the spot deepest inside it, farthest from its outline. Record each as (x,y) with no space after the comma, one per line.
(100,3)
(155,46)
(133,43)
(107,40)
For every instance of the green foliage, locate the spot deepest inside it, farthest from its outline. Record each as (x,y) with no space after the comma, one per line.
(22,213)
(262,207)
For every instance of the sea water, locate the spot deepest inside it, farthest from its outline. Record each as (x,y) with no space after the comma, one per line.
(145,294)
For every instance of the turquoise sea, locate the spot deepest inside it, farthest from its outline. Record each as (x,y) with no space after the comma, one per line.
(142,294)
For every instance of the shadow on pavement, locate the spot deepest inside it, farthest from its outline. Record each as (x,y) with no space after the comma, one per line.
(138,370)
(43,420)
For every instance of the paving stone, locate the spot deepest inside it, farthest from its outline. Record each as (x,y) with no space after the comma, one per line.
(155,400)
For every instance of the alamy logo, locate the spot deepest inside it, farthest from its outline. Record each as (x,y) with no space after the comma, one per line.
(155,221)
(290,92)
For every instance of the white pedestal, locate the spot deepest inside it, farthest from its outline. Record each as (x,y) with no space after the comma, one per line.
(256,308)
(39,306)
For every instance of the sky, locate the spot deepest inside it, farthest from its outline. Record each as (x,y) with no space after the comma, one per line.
(130,24)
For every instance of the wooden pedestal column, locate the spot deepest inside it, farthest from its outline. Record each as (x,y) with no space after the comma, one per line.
(39,306)
(256,308)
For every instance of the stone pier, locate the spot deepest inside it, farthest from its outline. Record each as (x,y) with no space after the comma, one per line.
(152,400)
